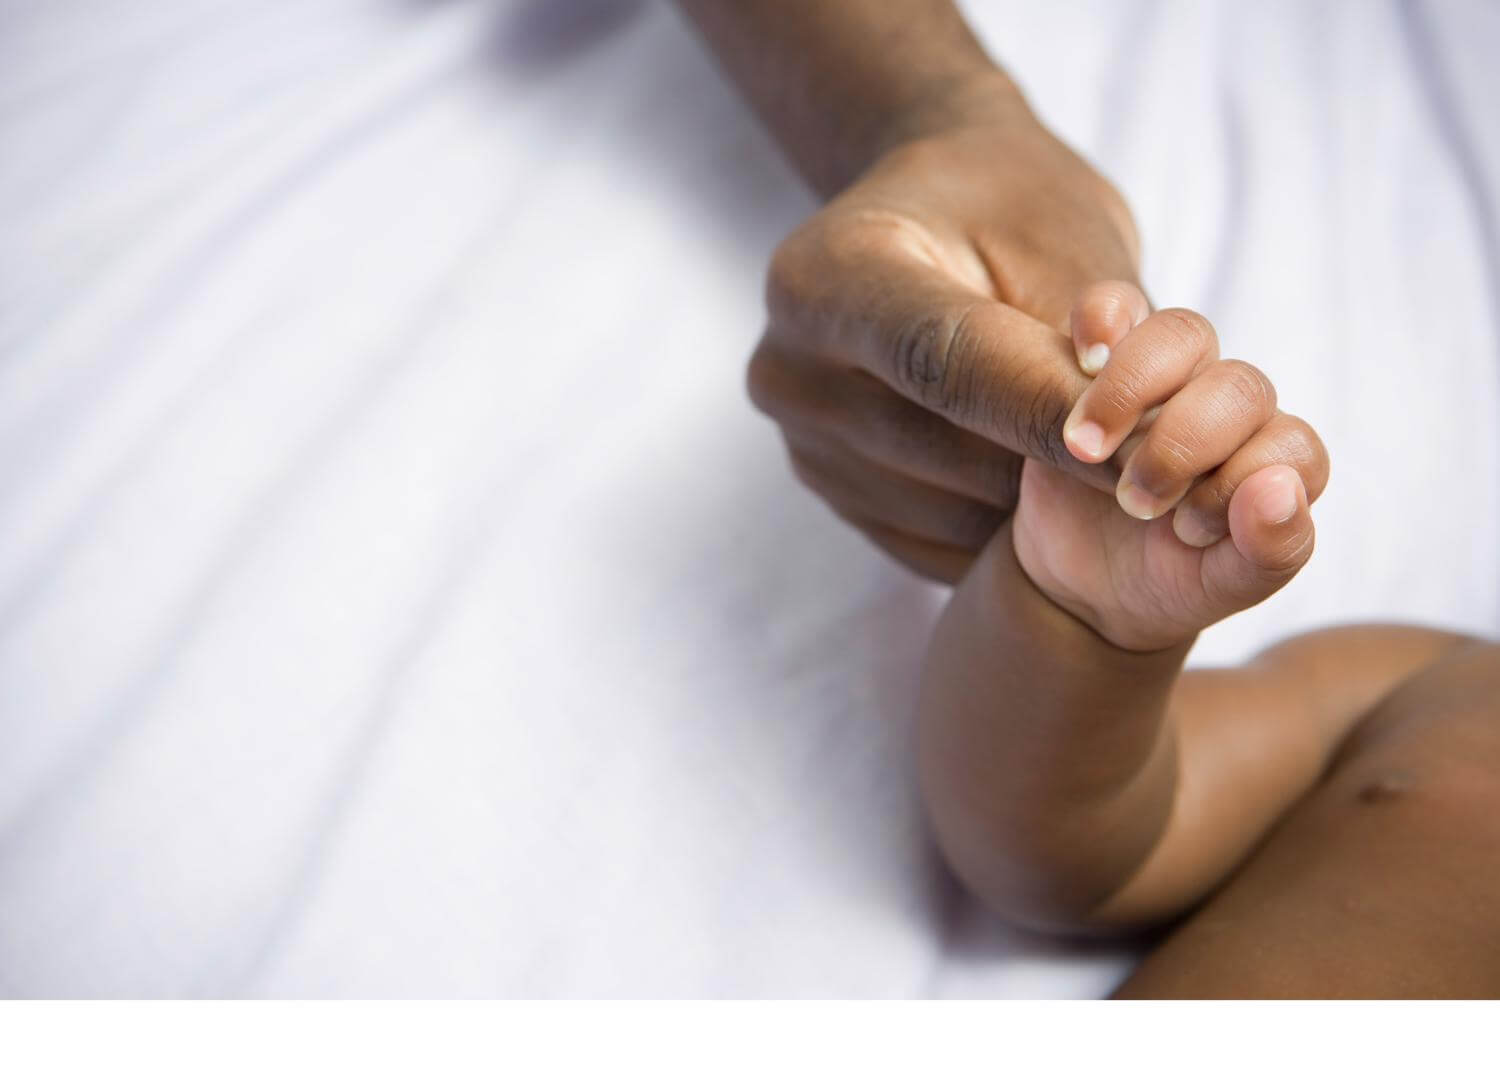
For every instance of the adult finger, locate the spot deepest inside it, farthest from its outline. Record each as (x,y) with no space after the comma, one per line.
(864,493)
(936,562)
(874,423)
(888,309)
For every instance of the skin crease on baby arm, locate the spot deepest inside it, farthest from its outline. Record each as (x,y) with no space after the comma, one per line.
(1077,779)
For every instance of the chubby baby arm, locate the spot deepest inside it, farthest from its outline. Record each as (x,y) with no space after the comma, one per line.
(1051,741)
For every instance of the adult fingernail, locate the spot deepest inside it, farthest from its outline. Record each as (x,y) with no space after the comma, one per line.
(1137,501)
(1087,438)
(1092,358)
(1278,502)
(1192,527)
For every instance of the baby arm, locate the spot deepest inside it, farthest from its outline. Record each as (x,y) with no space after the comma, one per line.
(1076,779)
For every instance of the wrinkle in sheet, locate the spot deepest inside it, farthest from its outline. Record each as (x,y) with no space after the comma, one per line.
(296,474)
(90,382)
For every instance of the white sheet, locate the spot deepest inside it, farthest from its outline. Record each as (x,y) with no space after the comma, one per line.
(397,594)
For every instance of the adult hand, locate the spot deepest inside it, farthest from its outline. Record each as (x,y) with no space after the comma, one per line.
(918,341)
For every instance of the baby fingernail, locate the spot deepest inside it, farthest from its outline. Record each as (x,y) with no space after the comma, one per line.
(1087,438)
(1092,358)
(1276,503)
(1137,502)
(1192,529)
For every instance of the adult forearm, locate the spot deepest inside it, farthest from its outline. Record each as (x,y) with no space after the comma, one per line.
(1047,763)
(839,81)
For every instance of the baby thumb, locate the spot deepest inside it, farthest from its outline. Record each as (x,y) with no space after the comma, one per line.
(1270,539)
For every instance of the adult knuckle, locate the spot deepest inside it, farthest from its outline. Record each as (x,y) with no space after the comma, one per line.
(1039,422)
(805,470)
(929,361)
(816,479)
(791,274)
(826,481)
(796,394)
(919,353)
(834,241)
(999,472)
(849,238)
(765,381)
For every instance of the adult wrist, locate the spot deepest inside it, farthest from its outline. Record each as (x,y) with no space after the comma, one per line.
(973,99)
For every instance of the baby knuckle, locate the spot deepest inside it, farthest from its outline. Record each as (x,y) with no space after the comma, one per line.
(1247,391)
(1171,454)
(1190,331)
(1288,553)
(1304,445)
(1213,494)
(1120,392)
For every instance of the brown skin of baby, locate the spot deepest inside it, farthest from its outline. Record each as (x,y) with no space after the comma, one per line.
(1323,817)
(1383,880)
(1317,823)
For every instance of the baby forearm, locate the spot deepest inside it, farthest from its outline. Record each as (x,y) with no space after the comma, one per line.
(1047,762)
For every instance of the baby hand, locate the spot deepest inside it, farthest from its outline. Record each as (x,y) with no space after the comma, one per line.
(1205,455)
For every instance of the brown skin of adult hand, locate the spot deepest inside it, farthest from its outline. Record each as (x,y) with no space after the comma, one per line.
(917,343)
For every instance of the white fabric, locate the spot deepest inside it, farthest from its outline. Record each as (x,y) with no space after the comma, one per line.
(398,595)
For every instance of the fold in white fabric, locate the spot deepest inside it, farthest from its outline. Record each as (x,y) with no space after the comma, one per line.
(398,595)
